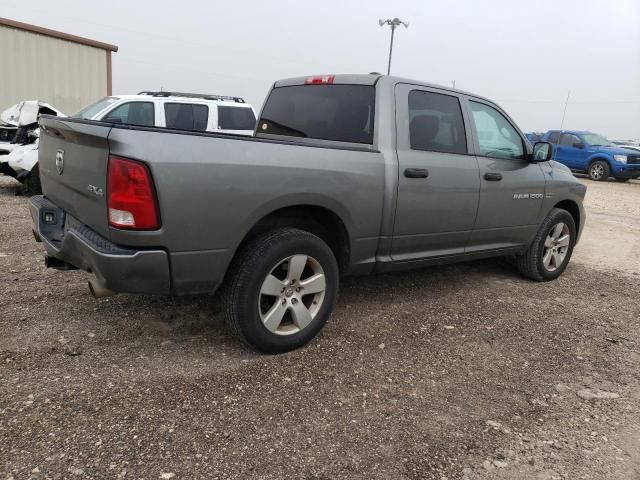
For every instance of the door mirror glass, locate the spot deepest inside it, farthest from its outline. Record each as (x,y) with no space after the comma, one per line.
(542,152)
(113,120)
(578,145)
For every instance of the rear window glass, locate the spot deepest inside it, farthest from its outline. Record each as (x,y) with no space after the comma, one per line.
(132,113)
(342,113)
(236,118)
(186,116)
(92,110)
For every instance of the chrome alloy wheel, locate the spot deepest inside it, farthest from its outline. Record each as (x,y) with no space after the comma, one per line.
(292,294)
(556,247)
(597,171)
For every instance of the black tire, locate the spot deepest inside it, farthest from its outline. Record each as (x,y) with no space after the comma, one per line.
(599,171)
(31,185)
(621,180)
(530,264)
(249,269)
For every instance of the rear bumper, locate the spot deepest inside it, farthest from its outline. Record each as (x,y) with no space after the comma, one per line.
(119,268)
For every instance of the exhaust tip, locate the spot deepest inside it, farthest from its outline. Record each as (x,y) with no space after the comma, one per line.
(98,290)
(53,262)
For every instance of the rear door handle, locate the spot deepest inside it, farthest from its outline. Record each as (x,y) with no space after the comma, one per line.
(416,172)
(492,177)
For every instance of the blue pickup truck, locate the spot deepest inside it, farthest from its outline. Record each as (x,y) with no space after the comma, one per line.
(592,154)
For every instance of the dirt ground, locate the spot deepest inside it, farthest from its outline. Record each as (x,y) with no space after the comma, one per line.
(460,372)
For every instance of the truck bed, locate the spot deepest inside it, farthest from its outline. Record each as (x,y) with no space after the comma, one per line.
(211,188)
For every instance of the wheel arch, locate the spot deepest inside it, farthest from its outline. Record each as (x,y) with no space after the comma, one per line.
(597,157)
(573,209)
(314,217)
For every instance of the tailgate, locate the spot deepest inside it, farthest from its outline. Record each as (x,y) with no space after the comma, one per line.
(73,168)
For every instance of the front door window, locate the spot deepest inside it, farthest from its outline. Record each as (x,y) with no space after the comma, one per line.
(496,136)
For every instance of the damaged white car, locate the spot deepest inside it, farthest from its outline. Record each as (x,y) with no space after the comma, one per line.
(19,138)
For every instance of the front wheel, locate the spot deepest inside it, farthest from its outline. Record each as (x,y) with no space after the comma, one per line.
(281,289)
(550,252)
(599,171)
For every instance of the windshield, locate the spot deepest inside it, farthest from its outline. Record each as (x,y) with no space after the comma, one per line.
(596,140)
(89,112)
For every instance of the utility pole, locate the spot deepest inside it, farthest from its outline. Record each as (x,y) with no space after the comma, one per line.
(393,23)
(565,109)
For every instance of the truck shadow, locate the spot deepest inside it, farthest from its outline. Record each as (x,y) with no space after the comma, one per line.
(10,187)
(203,316)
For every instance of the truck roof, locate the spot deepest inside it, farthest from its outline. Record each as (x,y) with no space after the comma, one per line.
(368,79)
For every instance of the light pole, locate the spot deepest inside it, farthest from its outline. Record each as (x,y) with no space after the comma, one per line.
(393,23)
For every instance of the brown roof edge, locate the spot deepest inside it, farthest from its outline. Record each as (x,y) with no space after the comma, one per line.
(56,34)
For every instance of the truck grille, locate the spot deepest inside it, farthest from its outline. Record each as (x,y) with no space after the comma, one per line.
(633,159)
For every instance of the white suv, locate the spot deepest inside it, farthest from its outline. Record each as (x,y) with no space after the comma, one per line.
(182,111)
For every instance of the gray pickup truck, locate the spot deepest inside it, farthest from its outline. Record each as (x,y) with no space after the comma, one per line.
(346,174)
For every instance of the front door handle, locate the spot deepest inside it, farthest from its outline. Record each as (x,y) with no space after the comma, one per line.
(416,172)
(492,177)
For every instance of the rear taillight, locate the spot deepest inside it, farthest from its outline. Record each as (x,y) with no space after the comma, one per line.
(131,196)
(320,80)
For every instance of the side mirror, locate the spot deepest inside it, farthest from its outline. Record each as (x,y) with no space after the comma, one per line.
(578,145)
(113,120)
(542,152)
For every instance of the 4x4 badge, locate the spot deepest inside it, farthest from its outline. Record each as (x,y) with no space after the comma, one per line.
(60,161)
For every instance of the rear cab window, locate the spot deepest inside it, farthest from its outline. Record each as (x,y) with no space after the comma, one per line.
(338,112)
(236,118)
(186,116)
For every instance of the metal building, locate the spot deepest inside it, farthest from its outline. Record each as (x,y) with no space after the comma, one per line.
(66,71)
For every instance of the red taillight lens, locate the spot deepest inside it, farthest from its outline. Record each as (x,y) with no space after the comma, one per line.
(131,196)
(320,80)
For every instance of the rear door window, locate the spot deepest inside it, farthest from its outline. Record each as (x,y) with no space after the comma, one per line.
(343,113)
(435,123)
(186,116)
(236,118)
(132,113)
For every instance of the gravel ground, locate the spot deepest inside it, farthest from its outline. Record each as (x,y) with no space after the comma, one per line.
(458,372)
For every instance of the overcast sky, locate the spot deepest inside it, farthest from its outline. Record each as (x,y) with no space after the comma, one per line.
(526,55)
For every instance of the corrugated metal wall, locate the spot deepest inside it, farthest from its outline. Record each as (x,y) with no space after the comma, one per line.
(67,75)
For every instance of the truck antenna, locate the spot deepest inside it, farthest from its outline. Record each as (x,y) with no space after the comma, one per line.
(566,102)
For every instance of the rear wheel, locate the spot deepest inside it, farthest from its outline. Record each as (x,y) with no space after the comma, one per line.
(599,171)
(31,185)
(550,252)
(281,289)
